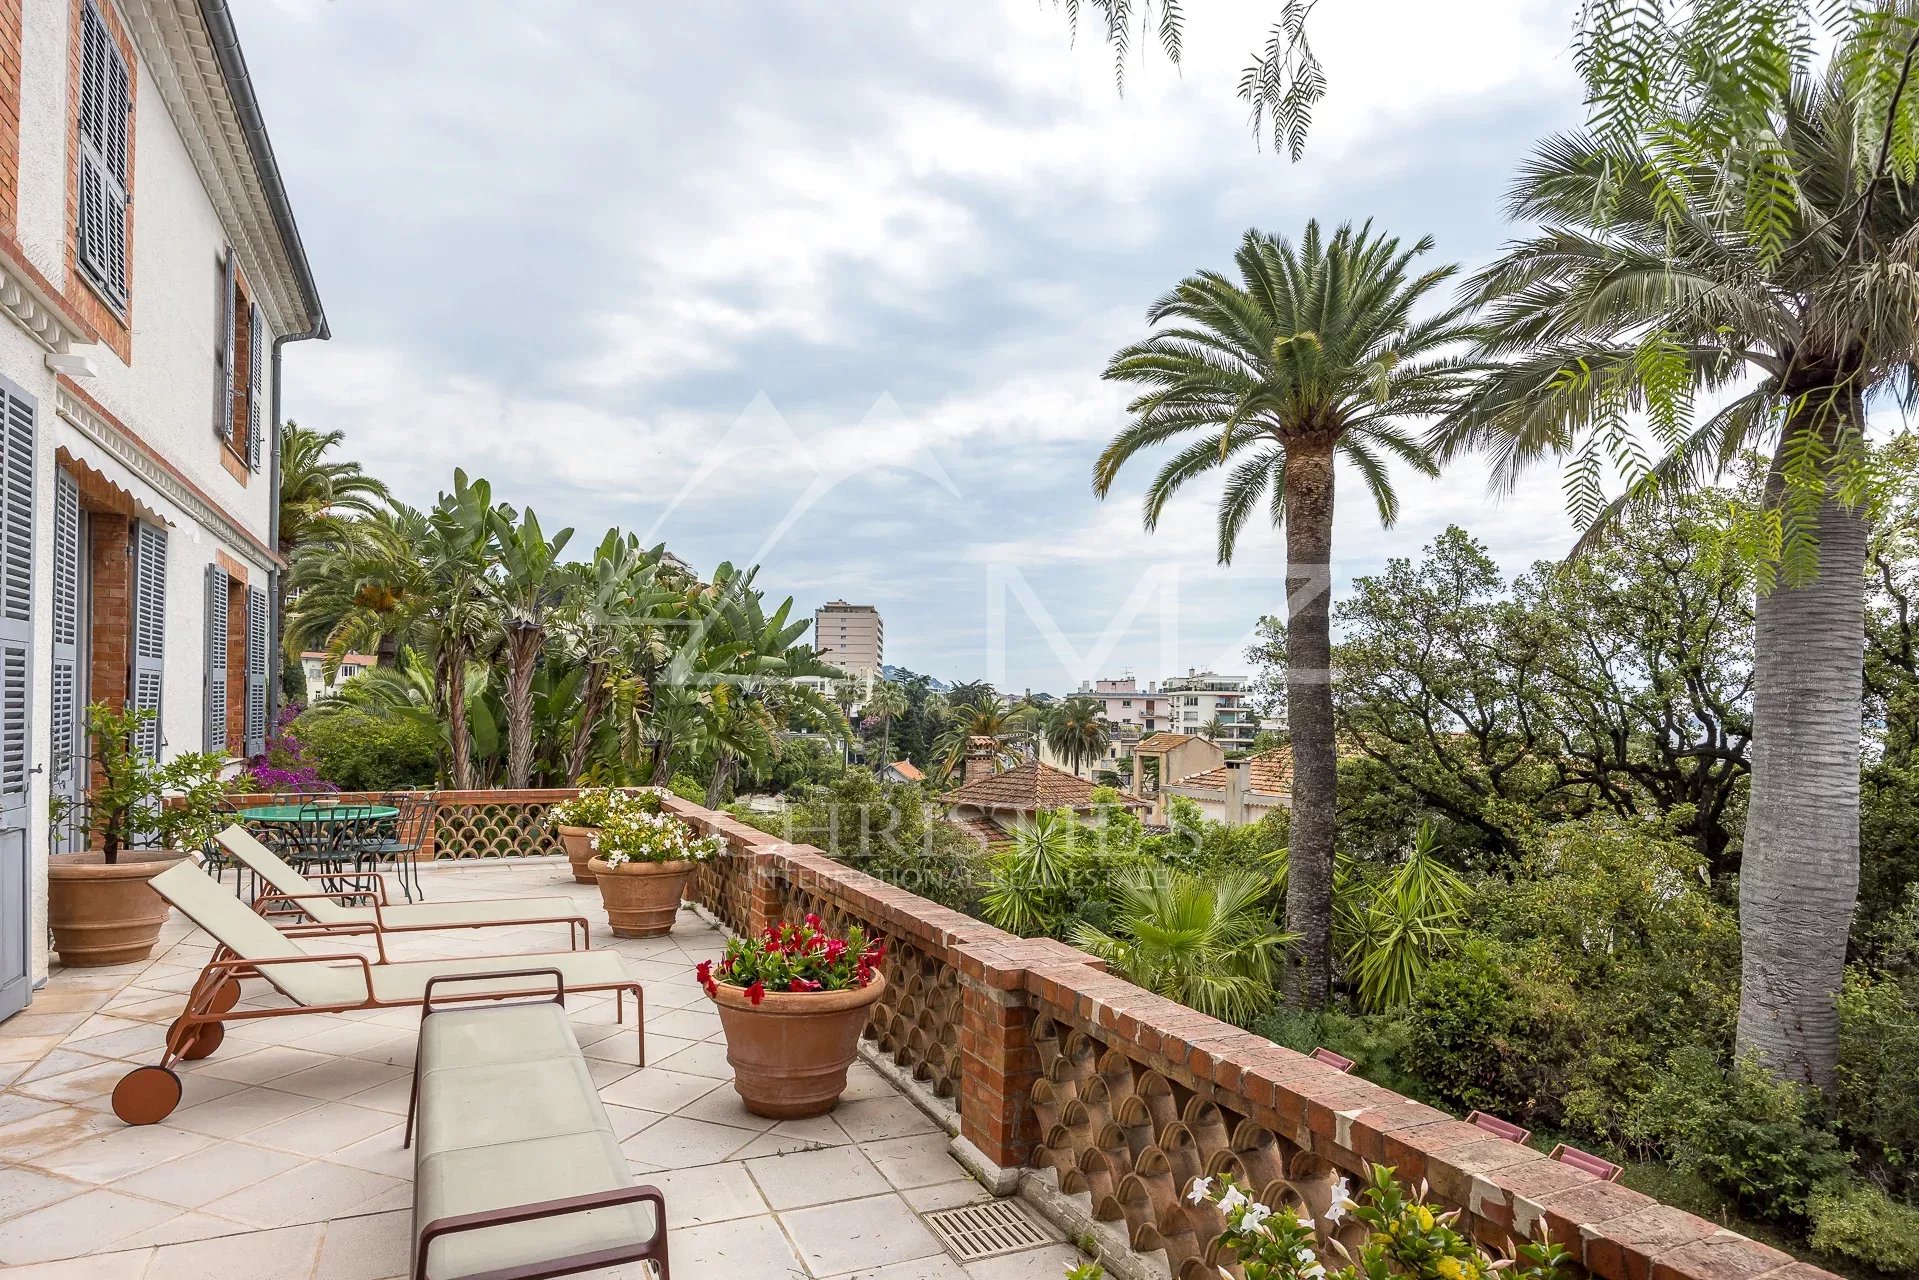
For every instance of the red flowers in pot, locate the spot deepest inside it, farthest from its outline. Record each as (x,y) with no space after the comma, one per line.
(792,1002)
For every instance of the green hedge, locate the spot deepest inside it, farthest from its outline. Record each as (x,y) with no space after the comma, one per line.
(358,752)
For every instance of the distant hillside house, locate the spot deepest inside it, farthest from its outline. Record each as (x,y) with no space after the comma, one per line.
(1240,792)
(902,771)
(989,805)
(314,662)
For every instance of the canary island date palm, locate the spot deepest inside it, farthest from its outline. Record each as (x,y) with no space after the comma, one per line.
(1314,352)
(1644,292)
(1077,732)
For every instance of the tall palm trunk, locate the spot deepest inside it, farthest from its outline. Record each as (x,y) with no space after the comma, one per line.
(592,703)
(524,640)
(452,676)
(1309,716)
(1799,875)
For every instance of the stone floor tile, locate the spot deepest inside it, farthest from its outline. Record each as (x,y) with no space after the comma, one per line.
(705,1058)
(941,1268)
(287,1254)
(1049,1263)
(723,1106)
(870,1119)
(310,1192)
(849,1235)
(657,1089)
(678,1143)
(108,1156)
(207,1174)
(691,1024)
(735,1250)
(946,1195)
(262,1066)
(241,1112)
(92,1220)
(382,1153)
(370,1247)
(22,1190)
(707,1193)
(118,1265)
(338,1078)
(323,1130)
(804,1178)
(917,1161)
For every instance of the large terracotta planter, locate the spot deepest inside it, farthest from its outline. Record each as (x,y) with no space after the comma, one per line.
(578,843)
(102,914)
(641,898)
(790,1052)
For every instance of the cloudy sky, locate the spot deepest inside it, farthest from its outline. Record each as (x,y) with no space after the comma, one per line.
(828,286)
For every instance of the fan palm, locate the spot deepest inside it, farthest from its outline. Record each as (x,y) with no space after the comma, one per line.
(1313,354)
(1632,302)
(1206,941)
(887,704)
(1077,732)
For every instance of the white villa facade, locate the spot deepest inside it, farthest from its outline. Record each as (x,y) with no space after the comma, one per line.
(150,272)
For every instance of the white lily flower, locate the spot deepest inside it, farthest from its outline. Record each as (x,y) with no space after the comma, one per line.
(1337,1211)
(1254,1219)
(1233,1199)
(1342,1191)
(1202,1187)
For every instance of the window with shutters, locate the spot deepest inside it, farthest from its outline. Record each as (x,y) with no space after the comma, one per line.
(17,467)
(147,686)
(66,740)
(103,159)
(256,722)
(238,351)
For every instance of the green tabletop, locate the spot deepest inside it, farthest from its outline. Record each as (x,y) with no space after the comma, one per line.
(317,813)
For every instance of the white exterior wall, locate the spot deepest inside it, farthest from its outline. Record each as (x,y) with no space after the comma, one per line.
(163,397)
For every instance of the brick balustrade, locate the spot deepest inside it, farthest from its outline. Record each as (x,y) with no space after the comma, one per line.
(1059,1067)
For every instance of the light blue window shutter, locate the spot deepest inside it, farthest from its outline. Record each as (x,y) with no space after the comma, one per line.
(216,725)
(255,332)
(105,104)
(65,741)
(256,671)
(223,351)
(17,430)
(149,632)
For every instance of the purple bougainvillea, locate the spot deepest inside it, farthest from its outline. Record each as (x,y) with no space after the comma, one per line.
(283,766)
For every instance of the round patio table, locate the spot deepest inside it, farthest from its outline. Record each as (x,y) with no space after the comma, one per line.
(331,857)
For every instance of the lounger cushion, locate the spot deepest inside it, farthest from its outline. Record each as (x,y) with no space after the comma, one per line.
(397,983)
(454,915)
(473,1179)
(511,1033)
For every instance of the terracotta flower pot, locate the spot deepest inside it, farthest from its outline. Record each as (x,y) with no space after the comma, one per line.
(578,843)
(641,898)
(103,914)
(790,1052)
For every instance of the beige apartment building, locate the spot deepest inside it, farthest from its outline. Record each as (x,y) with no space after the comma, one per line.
(850,636)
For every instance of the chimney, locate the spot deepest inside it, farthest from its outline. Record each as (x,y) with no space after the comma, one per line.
(1235,793)
(980,753)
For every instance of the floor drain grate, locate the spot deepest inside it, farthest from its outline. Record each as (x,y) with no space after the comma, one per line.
(976,1231)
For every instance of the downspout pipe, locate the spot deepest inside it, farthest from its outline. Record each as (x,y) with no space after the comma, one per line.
(233,69)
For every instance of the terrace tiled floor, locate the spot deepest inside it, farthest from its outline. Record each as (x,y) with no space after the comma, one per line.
(283,1161)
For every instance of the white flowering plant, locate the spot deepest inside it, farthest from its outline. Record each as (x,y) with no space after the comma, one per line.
(1405,1238)
(631,834)
(593,805)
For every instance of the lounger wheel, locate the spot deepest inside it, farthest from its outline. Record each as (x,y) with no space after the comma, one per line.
(146,1095)
(202,1042)
(226,997)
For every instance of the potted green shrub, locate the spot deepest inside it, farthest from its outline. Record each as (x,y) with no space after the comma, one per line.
(578,820)
(642,862)
(792,1003)
(141,818)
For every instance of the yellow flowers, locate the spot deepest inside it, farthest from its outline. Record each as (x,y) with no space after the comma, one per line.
(1424,1217)
(1450,1268)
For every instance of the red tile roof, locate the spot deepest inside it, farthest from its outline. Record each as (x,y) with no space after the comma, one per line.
(1027,788)
(983,829)
(907,769)
(1268,773)
(1163,741)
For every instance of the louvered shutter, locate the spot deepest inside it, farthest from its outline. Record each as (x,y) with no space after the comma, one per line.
(255,331)
(223,352)
(256,671)
(216,726)
(16,600)
(149,632)
(65,741)
(105,104)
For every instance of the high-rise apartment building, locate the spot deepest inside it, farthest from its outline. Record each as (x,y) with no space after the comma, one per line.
(850,636)
(1198,697)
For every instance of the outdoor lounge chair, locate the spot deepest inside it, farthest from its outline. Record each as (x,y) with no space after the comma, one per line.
(292,894)
(249,946)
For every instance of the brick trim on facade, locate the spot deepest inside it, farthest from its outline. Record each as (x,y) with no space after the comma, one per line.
(115,327)
(11,29)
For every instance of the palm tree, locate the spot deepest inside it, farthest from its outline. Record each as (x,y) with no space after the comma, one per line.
(887,704)
(319,501)
(1213,730)
(1635,302)
(530,586)
(1206,941)
(613,597)
(1029,887)
(1076,731)
(1312,354)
